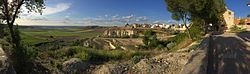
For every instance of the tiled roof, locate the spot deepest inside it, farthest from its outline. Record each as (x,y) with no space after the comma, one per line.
(237,21)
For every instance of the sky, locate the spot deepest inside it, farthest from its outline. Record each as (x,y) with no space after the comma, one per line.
(109,12)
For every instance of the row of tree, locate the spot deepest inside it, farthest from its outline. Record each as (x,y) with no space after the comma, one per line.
(203,11)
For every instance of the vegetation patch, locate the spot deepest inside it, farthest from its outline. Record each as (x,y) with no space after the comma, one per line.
(89,54)
(236,29)
(33,36)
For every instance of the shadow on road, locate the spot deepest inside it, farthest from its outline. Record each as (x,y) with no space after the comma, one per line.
(230,55)
(244,35)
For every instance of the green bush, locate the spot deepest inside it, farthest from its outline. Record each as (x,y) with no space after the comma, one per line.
(130,55)
(237,29)
(89,54)
(31,52)
(179,38)
(151,42)
(71,52)
(116,54)
(136,59)
(160,46)
(196,32)
(83,56)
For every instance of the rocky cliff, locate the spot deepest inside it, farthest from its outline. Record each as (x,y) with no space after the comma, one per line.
(120,33)
(5,65)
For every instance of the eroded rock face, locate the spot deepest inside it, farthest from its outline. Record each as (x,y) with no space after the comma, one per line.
(150,66)
(167,63)
(171,63)
(5,66)
(112,69)
(74,66)
(99,43)
(120,33)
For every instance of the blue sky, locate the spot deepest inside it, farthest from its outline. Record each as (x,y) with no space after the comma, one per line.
(110,12)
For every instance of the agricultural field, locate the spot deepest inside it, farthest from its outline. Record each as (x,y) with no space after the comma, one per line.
(34,35)
(51,47)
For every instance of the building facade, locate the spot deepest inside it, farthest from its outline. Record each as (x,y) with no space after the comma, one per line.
(229,18)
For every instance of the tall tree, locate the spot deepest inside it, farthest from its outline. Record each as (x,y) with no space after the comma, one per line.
(210,11)
(180,11)
(206,11)
(248,15)
(10,10)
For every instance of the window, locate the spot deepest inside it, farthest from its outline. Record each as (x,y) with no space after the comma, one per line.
(229,13)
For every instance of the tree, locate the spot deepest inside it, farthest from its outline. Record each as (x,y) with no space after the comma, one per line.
(180,11)
(208,11)
(146,37)
(242,21)
(10,10)
(150,39)
(248,15)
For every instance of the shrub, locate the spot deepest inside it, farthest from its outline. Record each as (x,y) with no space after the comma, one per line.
(83,56)
(160,46)
(196,32)
(237,29)
(130,55)
(116,54)
(171,45)
(136,59)
(71,52)
(179,38)
(31,52)
(66,52)
(89,54)
(150,40)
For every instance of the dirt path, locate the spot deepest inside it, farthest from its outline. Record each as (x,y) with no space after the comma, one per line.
(230,54)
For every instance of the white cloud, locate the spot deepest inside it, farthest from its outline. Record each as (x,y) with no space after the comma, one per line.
(60,7)
(110,20)
(106,15)
(141,19)
(39,22)
(172,21)
(128,17)
(29,18)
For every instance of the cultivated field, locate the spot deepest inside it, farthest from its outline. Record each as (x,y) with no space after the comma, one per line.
(39,35)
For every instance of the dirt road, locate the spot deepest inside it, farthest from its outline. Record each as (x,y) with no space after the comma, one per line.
(230,54)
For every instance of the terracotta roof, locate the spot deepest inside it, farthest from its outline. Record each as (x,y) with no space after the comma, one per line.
(247,20)
(237,21)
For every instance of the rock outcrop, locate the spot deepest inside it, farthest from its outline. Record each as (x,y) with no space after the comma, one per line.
(120,33)
(167,63)
(171,63)
(5,66)
(112,69)
(74,66)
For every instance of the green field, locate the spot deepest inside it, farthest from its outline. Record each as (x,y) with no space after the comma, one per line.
(34,36)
